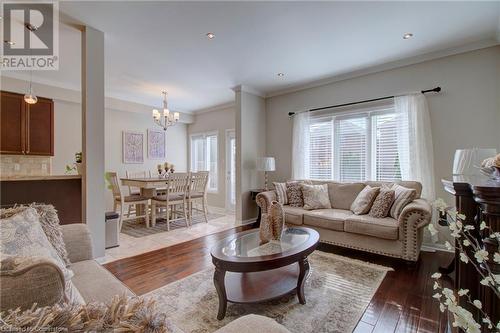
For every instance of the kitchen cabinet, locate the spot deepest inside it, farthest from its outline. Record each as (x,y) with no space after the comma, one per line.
(26,129)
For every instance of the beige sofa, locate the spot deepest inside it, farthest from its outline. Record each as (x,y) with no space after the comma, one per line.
(400,238)
(44,284)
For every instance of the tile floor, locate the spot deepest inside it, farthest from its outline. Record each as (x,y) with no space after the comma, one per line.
(131,246)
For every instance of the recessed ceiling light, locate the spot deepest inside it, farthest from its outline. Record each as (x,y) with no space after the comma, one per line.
(210,35)
(280,74)
(9,42)
(407,35)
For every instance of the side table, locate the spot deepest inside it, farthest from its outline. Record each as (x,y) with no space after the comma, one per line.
(253,194)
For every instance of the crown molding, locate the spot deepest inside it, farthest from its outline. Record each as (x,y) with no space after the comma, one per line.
(214,108)
(391,65)
(248,89)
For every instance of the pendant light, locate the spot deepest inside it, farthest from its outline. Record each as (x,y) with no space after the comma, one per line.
(29,97)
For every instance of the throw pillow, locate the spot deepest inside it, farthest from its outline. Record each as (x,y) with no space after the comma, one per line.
(342,195)
(294,194)
(280,189)
(316,196)
(22,235)
(403,196)
(364,200)
(382,203)
(50,225)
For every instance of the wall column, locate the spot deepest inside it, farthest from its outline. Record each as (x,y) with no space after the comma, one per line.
(250,145)
(93,135)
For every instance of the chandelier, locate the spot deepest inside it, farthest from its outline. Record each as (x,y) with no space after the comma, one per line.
(166,119)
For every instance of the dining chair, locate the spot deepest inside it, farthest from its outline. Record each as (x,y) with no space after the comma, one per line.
(126,201)
(198,192)
(159,190)
(131,189)
(176,194)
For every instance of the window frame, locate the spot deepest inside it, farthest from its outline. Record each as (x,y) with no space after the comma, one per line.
(371,132)
(205,136)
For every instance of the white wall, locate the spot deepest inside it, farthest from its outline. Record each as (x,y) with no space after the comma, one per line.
(220,120)
(465,114)
(250,145)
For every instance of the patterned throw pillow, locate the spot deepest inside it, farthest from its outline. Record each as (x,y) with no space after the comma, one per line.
(382,203)
(294,194)
(280,189)
(316,196)
(50,224)
(364,200)
(403,196)
(22,235)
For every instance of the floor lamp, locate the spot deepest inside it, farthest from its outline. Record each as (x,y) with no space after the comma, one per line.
(266,164)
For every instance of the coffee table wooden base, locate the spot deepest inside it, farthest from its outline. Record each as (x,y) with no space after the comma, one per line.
(257,287)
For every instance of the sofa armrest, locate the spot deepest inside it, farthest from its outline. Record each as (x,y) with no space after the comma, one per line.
(26,281)
(412,219)
(418,211)
(264,200)
(78,242)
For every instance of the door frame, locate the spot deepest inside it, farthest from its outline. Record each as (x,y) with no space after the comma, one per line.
(229,133)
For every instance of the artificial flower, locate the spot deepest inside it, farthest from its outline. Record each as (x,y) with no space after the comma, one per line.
(463,292)
(436,275)
(464,258)
(482,226)
(477,304)
(481,256)
(466,242)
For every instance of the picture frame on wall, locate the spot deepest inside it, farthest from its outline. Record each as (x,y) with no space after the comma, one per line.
(133,147)
(156,144)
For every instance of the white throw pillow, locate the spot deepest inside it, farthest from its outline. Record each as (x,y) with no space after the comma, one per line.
(316,196)
(403,196)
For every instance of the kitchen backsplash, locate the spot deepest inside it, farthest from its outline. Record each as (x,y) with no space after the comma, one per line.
(21,165)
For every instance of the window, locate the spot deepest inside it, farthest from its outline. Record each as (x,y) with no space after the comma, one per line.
(355,146)
(204,155)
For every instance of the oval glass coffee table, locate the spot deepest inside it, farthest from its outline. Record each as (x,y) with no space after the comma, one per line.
(247,271)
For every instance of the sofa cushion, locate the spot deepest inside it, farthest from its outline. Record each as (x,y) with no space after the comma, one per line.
(342,195)
(294,215)
(332,219)
(253,323)
(95,283)
(386,228)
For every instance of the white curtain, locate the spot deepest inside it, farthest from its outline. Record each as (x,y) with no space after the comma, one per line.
(415,147)
(300,146)
(415,142)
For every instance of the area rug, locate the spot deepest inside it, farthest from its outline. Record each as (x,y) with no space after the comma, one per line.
(137,228)
(337,292)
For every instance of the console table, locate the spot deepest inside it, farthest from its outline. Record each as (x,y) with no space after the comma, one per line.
(478,198)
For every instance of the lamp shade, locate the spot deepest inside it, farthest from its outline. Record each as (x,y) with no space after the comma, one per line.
(468,161)
(266,164)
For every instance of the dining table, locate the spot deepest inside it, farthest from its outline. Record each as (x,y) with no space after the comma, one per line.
(148,187)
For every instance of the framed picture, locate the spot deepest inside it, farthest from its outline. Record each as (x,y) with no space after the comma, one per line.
(133,147)
(156,144)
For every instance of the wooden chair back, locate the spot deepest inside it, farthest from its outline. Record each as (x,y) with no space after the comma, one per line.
(199,182)
(115,185)
(132,175)
(178,183)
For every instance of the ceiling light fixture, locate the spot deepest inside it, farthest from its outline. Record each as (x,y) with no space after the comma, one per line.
(166,119)
(280,74)
(407,35)
(29,97)
(210,35)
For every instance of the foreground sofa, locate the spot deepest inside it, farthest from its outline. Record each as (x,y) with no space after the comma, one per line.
(43,283)
(339,226)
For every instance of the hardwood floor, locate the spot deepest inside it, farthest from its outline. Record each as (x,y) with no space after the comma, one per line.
(403,302)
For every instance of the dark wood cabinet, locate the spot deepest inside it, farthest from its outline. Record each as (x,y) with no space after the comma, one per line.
(26,129)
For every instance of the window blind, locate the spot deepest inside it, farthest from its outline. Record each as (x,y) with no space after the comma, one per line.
(204,155)
(386,147)
(321,149)
(352,150)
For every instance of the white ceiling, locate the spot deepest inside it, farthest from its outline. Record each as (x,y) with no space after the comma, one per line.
(152,46)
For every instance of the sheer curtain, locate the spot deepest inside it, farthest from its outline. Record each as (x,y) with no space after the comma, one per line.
(300,146)
(415,148)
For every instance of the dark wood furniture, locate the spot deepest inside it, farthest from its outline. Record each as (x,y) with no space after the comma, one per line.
(478,198)
(249,272)
(26,129)
(64,192)
(253,195)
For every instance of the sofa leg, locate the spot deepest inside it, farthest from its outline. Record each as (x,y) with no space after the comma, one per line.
(411,263)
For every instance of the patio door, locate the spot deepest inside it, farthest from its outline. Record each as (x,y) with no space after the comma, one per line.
(230,170)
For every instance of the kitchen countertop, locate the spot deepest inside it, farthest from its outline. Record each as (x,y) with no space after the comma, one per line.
(49,177)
